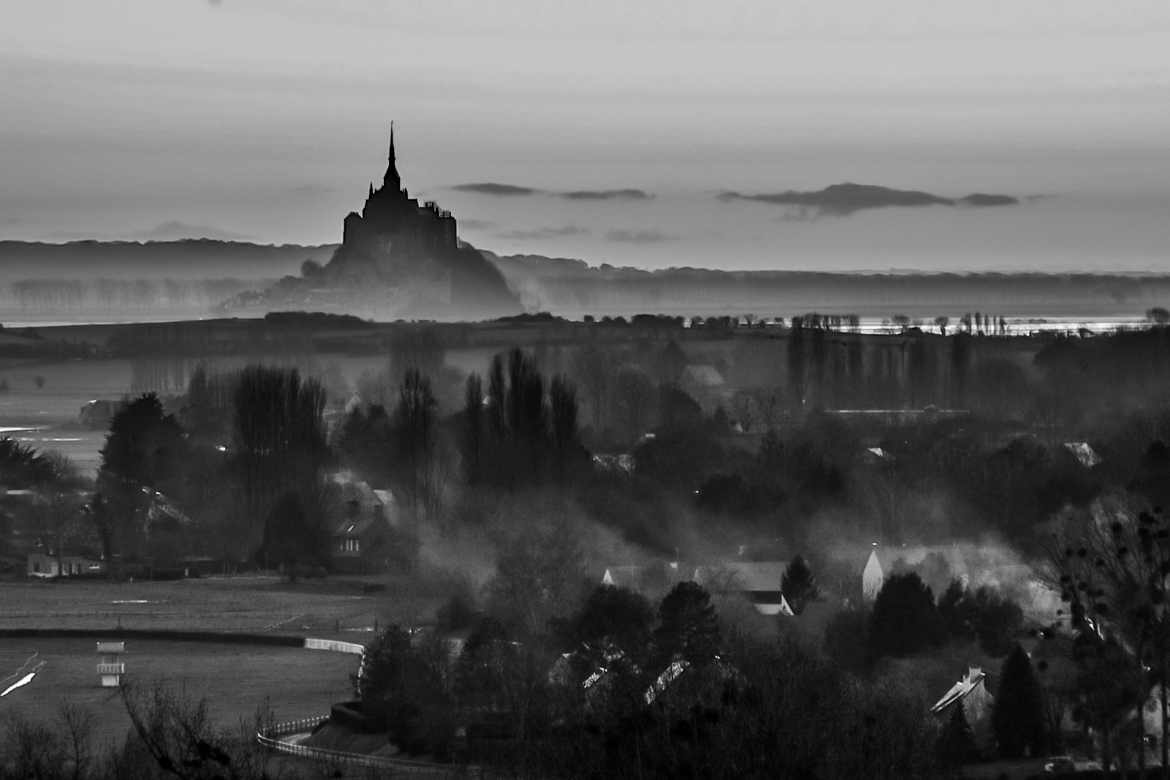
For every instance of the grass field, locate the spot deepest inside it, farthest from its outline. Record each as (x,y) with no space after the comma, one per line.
(236,680)
(334,608)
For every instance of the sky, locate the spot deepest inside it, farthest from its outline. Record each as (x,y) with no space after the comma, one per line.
(266,119)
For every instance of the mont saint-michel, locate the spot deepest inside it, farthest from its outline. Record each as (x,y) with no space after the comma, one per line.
(398,258)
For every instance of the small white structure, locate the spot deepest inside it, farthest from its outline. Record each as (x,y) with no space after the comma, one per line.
(972,691)
(1084,453)
(872,576)
(111,667)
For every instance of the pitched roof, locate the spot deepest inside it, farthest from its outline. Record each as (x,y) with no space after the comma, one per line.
(637,576)
(622,462)
(974,678)
(772,607)
(1084,453)
(354,526)
(742,576)
(872,575)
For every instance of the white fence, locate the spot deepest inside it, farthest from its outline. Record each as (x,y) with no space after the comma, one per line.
(334,646)
(271,738)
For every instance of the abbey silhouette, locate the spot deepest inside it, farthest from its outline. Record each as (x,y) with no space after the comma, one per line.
(390,212)
(398,258)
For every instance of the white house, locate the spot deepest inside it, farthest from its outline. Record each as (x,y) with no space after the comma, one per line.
(758,580)
(972,691)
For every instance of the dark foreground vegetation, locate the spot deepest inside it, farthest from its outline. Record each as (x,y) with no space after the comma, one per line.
(1013,488)
(172,735)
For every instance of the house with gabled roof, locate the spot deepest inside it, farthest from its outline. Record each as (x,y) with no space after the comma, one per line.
(1084,453)
(647,577)
(683,683)
(759,581)
(972,691)
(364,525)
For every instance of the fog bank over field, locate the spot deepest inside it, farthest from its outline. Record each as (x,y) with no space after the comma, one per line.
(92,281)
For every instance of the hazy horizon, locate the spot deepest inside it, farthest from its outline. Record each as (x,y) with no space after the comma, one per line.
(264,121)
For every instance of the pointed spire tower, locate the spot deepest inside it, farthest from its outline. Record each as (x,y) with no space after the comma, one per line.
(392,180)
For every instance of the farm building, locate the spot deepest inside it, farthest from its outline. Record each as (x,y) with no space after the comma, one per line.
(47,566)
(977,700)
(759,581)
(364,527)
(647,578)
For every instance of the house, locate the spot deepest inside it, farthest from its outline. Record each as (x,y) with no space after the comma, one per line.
(1152,713)
(874,456)
(1084,453)
(622,463)
(650,577)
(97,414)
(365,521)
(593,671)
(19,527)
(681,683)
(759,581)
(44,565)
(972,691)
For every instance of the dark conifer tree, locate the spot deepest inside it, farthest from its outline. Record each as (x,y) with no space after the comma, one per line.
(297,540)
(956,744)
(613,615)
(498,399)
(279,443)
(1017,718)
(954,613)
(905,620)
(143,453)
(796,362)
(688,628)
(798,585)
(473,430)
(414,429)
(562,398)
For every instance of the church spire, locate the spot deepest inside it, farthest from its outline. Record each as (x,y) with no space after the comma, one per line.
(392,180)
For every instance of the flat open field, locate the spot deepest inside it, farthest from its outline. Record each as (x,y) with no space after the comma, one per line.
(333,608)
(235,679)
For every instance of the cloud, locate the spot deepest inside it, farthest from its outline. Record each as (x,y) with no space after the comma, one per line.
(495,188)
(845,199)
(175,230)
(544,233)
(500,189)
(626,194)
(476,224)
(638,236)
